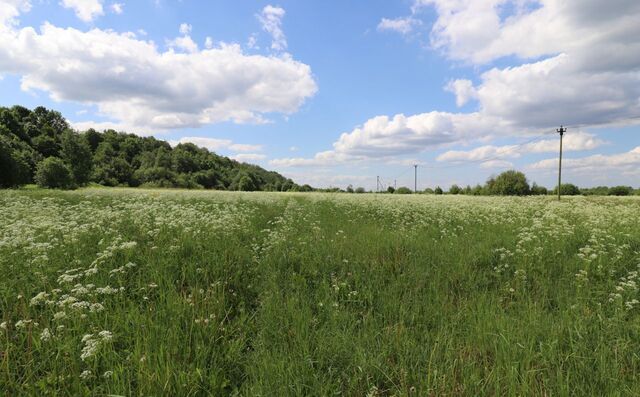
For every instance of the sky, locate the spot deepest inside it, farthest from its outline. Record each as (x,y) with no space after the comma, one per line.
(340,92)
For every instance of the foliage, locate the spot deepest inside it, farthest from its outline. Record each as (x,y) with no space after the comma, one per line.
(567,189)
(537,190)
(455,189)
(438,190)
(52,172)
(621,191)
(360,190)
(113,158)
(403,190)
(509,183)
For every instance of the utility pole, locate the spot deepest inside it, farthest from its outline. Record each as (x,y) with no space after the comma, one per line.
(415,182)
(377,184)
(395,184)
(561,131)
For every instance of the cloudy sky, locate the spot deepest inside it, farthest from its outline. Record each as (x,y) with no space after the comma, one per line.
(337,92)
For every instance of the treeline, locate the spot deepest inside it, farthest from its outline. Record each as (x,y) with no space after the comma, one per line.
(38,146)
(513,183)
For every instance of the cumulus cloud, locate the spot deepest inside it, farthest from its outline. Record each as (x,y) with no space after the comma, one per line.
(578,141)
(136,84)
(215,144)
(117,8)
(249,157)
(271,20)
(85,10)
(625,163)
(400,25)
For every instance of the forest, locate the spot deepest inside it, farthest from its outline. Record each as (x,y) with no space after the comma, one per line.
(39,146)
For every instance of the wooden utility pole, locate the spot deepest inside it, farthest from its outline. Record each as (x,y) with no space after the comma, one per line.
(415,182)
(561,131)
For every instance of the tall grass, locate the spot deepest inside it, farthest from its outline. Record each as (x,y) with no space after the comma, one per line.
(145,292)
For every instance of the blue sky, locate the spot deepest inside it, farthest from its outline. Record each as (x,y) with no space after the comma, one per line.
(337,92)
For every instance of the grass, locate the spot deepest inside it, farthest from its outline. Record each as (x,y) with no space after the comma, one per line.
(258,294)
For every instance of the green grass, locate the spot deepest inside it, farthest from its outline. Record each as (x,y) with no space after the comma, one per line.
(262,294)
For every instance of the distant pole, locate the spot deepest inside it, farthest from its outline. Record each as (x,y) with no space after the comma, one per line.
(415,179)
(395,184)
(377,184)
(561,131)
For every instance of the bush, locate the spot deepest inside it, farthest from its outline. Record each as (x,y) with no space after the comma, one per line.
(52,172)
(360,190)
(509,183)
(567,189)
(621,191)
(391,189)
(403,190)
(438,190)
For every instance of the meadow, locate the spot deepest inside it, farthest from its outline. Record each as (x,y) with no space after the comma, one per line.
(132,292)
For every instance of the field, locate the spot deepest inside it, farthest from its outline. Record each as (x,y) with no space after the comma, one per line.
(142,292)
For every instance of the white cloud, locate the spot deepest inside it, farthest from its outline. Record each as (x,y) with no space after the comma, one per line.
(463,90)
(208,43)
(625,163)
(11,9)
(85,10)
(271,20)
(400,25)
(117,8)
(215,144)
(578,141)
(184,43)
(185,29)
(248,157)
(135,84)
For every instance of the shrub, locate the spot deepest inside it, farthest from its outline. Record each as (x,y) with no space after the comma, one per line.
(52,172)
(391,189)
(438,190)
(360,190)
(403,190)
(455,189)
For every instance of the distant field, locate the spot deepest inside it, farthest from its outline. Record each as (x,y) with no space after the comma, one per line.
(142,292)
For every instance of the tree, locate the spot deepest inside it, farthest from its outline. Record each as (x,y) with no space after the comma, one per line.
(455,189)
(77,154)
(391,190)
(621,191)
(509,183)
(360,190)
(52,172)
(403,190)
(438,190)
(14,168)
(350,189)
(567,189)
(538,190)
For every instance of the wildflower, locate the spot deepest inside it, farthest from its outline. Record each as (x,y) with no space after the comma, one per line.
(59,315)
(107,374)
(22,324)
(86,374)
(3,325)
(45,335)
(36,300)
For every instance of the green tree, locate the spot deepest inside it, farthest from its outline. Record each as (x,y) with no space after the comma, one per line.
(621,191)
(76,153)
(538,190)
(52,172)
(567,189)
(509,183)
(438,190)
(14,167)
(455,189)
(403,190)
